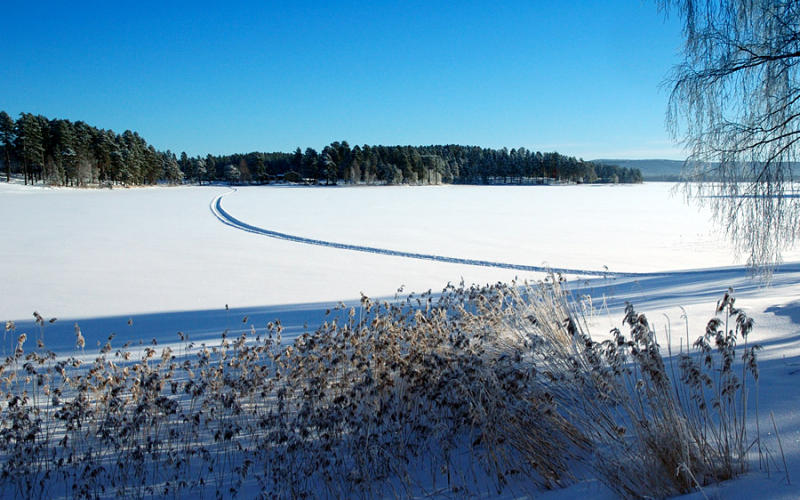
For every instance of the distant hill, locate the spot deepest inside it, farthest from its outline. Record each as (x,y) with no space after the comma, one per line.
(667,170)
(652,170)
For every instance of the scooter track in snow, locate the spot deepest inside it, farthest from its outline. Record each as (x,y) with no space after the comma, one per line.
(229,220)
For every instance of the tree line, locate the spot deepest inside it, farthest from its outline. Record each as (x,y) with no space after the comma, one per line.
(65,153)
(61,152)
(338,162)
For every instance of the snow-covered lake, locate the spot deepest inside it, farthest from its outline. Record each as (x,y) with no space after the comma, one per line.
(78,253)
(160,257)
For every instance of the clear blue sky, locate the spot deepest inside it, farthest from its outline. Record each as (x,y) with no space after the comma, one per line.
(580,78)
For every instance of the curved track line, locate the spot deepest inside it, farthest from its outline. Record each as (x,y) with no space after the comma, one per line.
(229,220)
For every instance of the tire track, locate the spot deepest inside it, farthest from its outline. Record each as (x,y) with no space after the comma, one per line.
(229,220)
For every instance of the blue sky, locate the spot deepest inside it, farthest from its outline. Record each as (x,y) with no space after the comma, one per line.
(580,78)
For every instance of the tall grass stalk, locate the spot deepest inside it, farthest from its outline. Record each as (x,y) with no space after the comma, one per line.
(474,391)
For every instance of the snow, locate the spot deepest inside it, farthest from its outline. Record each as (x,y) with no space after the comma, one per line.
(89,253)
(158,256)
(625,227)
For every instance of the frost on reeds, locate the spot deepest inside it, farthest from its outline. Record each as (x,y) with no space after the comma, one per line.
(656,430)
(464,393)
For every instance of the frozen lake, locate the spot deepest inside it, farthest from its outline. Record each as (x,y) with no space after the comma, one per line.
(79,253)
(146,263)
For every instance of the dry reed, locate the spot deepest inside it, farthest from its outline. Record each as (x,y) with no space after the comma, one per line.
(467,392)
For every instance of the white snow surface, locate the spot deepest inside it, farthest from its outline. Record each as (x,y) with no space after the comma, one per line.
(159,257)
(79,253)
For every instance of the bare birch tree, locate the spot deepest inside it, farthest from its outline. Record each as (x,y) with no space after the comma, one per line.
(735,106)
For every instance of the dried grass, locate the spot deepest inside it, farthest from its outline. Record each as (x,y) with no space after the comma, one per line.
(431,394)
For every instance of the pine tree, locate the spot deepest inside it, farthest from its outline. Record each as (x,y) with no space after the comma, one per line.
(200,170)
(297,160)
(67,158)
(232,174)
(329,164)
(29,144)
(211,168)
(170,169)
(310,164)
(101,146)
(7,140)
(86,163)
(186,166)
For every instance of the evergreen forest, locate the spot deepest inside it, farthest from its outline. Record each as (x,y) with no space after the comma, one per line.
(65,153)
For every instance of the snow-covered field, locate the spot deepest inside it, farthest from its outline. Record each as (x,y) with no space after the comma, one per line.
(149,262)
